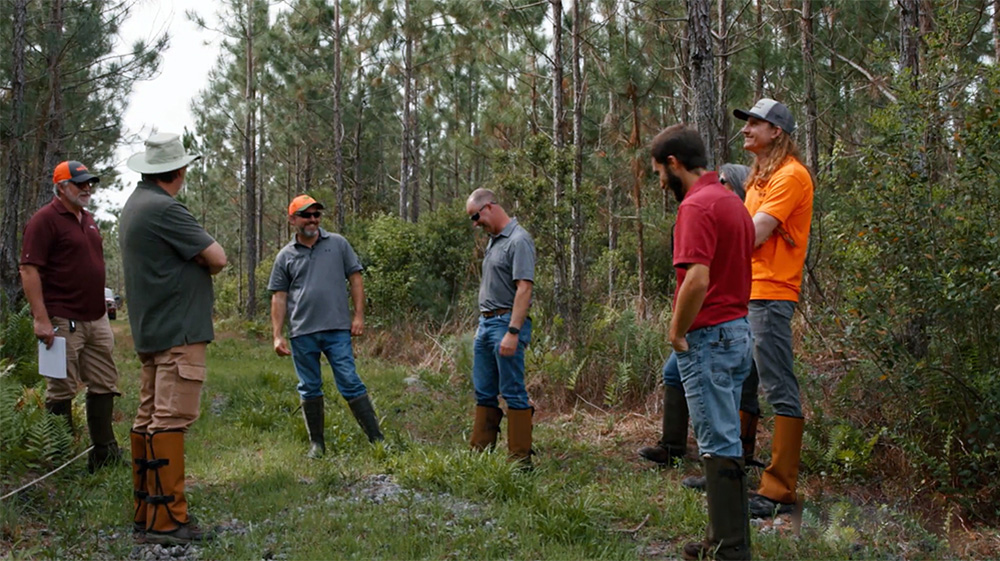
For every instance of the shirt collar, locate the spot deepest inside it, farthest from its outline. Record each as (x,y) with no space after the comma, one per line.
(707,178)
(505,233)
(61,208)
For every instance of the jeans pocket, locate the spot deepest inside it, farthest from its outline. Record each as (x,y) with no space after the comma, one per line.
(728,357)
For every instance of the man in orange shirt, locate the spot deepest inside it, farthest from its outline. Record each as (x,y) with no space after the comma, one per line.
(779,196)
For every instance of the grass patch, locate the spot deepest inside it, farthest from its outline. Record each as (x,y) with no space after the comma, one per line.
(420,494)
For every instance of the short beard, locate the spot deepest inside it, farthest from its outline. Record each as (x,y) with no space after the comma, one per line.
(676,186)
(305,234)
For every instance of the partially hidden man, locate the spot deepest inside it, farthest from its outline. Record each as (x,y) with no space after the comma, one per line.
(62,272)
(169,260)
(709,331)
(310,281)
(504,329)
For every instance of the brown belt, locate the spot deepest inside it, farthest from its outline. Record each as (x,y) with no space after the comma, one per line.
(497,312)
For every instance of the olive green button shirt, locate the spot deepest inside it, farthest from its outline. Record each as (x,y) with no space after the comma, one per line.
(170,296)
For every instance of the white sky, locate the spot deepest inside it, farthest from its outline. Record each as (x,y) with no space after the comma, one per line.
(163,103)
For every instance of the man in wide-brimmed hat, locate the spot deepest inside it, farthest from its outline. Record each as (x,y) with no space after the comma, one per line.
(169,260)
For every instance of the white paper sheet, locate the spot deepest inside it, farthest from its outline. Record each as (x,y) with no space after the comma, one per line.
(52,361)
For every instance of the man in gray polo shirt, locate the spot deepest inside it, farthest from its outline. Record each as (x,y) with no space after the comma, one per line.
(309,284)
(504,328)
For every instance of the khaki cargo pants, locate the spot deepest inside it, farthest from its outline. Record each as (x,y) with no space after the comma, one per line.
(89,346)
(170,392)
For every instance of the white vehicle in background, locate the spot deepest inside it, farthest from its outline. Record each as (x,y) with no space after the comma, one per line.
(112,302)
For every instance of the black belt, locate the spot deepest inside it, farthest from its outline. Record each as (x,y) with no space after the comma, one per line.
(497,312)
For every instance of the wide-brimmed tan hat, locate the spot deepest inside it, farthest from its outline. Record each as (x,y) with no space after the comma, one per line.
(164,152)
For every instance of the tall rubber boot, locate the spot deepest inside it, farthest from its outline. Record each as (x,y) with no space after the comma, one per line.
(519,435)
(780,478)
(313,413)
(62,408)
(728,536)
(485,427)
(364,413)
(139,492)
(100,413)
(167,520)
(673,442)
(748,438)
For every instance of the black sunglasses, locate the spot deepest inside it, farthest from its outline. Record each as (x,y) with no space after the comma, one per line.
(316,214)
(475,217)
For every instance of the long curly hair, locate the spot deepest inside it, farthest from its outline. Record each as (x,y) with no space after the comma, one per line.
(763,168)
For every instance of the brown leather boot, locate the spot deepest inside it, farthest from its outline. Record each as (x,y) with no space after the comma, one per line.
(673,444)
(519,435)
(139,492)
(485,427)
(780,478)
(167,520)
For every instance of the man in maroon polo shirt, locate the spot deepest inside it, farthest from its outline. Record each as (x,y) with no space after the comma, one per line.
(62,271)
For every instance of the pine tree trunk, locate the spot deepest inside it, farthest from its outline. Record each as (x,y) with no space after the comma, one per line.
(808,73)
(996,31)
(405,163)
(576,231)
(559,280)
(639,164)
(356,207)
(722,71)
(53,140)
(758,79)
(249,166)
(13,180)
(338,136)
(702,73)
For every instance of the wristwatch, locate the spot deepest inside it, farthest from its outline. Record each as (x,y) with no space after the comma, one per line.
(513,330)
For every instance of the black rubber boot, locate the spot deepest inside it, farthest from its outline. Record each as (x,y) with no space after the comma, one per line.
(62,408)
(363,411)
(728,513)
(312,411)
(673,443)
(100,413)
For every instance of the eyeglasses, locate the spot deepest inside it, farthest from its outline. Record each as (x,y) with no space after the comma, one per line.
(475,217)
(316,214)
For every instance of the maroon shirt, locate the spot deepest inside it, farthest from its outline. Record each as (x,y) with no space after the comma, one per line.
(70,258)
(714,229)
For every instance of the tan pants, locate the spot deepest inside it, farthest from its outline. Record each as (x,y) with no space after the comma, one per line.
(89,346)
(170,392)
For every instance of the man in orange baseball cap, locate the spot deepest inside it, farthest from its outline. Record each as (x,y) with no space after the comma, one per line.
(312,293)
(62,271)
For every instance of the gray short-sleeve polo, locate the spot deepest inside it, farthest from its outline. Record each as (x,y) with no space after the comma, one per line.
(315,279)
(510,257)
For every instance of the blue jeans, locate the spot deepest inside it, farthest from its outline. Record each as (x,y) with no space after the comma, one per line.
(712,370)
(336,345)
(494,375)
(671,375)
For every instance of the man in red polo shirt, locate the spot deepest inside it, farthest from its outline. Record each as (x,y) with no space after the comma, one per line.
(709,331)
(62,271)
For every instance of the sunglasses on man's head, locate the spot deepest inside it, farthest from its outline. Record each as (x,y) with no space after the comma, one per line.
(315,214)
(475,217)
